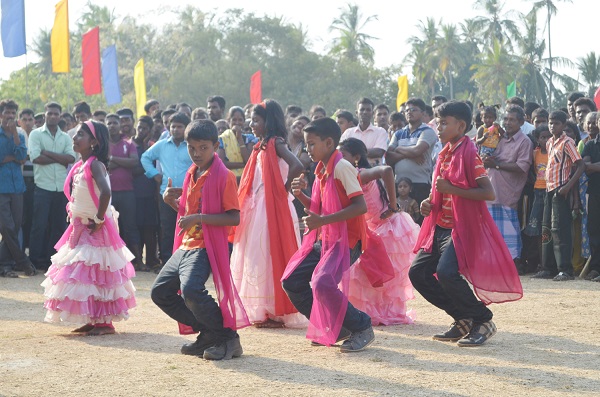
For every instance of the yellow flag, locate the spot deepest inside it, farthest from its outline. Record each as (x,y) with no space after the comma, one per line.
(139,83)
(402,91)
(59,39)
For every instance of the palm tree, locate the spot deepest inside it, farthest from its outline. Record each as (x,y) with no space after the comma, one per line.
(95,16)
(589,67)
(423,56)
(551,10)
(352,43)
(41,47)
(495,70)
(498,25)
(450,53)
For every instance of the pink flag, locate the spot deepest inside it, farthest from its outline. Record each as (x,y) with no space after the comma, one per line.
(597,98)
(90,61)
(256,88)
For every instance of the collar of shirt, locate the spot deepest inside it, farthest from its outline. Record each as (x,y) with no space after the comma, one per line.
(559,139)
(323,172)
(45,129)
(512,138)
(170,139)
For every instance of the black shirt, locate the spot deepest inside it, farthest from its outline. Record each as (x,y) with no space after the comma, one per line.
(592,150)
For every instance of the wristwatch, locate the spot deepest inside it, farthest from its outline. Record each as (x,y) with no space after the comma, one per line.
(97,220)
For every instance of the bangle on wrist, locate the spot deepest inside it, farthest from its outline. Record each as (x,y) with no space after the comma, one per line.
(98,221)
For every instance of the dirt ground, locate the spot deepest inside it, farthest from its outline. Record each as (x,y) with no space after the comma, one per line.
(548,344)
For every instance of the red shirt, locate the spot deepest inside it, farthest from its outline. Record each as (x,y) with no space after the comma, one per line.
(445,217)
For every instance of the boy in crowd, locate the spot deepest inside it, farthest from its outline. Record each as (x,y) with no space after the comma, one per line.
(557,241)
(374,138)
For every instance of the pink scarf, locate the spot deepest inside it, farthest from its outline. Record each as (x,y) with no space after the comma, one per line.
(483,258)
(329,304)
(109,223)
(215,238)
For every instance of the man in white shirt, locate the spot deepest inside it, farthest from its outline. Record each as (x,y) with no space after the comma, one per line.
(374,138)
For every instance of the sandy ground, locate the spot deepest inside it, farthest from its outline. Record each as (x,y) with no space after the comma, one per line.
(548,344)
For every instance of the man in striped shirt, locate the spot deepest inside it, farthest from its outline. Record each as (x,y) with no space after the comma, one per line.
(557,241)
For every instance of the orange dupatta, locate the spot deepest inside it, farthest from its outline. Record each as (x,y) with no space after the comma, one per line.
(282,239)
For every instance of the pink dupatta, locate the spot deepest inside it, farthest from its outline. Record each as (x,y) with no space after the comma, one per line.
(215,238)
(483,258)
(109,223)
(329,303)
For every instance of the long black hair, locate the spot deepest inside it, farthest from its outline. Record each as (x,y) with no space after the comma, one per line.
(101,150)
(357,147)
(270,111)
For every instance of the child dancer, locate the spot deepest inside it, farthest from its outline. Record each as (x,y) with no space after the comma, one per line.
(89,279)
(337,233)
(404,201)
(488,135)
(386,304)
(206,207)
(268,234)
(456,220)
(540,159)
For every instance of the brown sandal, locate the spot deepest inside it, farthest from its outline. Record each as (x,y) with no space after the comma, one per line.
(269,323)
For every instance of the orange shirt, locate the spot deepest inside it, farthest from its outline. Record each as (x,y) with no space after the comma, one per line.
(194,237)
(539,161)
(562,153)
(445,218)
(348,185)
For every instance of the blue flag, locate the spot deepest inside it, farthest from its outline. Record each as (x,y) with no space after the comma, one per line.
(110,76)
(12,25)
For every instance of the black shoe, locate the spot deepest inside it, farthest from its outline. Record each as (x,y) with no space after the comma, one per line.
(478,335)
(458,330)
(358,341)
(225,350)
(344,335)
(562,276)
(544,274)
(198,347)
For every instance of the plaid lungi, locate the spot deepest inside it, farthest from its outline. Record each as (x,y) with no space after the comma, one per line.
(507,221)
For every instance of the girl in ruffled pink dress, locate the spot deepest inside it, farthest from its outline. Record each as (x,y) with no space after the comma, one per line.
(89,279)
(385,304)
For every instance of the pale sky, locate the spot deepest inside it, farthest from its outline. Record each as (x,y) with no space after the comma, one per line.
(574,29)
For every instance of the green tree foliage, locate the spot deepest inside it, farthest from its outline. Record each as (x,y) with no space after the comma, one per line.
(204,54)
(589,70)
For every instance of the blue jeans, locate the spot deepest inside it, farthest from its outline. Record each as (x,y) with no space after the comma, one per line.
(449,291)
(48,224)
(124,202)
(188,271)
(297,287)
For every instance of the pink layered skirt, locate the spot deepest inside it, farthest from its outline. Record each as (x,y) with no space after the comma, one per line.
(89,280)
(387,304)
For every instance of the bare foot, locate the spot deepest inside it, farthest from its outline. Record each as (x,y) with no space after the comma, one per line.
(97,331)
(269,323)
(84,328)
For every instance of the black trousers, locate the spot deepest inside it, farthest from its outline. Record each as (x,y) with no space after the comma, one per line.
(450,291)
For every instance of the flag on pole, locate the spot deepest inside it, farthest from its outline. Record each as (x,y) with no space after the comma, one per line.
(12,24)
(256,88)
(139,83)
(90,62)
(59,39)
(597,98)
(511,89)
(110,76)
(402,91)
